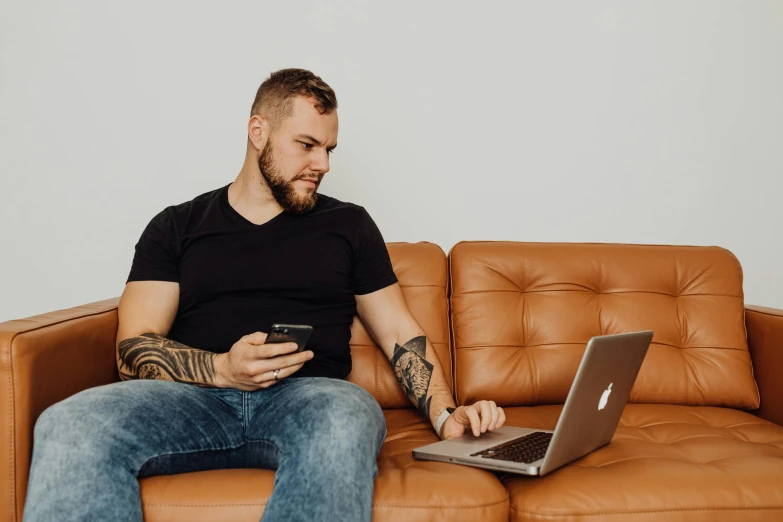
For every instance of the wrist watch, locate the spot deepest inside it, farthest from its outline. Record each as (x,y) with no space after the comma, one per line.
(442,419)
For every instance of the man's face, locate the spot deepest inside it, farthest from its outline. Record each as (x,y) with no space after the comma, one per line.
(296,156)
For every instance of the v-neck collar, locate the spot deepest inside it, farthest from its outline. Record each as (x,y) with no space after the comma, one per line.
(237,216)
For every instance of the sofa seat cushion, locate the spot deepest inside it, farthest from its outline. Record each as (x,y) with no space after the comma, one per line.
(412,490)
(665,462)
(405,488)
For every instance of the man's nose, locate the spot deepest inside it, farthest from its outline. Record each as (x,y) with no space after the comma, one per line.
(320,162)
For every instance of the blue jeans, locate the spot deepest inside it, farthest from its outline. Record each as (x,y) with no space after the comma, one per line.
(321,435)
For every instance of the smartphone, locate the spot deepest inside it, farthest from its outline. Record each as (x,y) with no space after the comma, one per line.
(290,333)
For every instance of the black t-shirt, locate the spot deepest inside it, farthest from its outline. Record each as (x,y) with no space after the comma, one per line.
(237,278)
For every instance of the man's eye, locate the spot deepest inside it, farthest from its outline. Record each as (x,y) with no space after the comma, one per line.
(330,152)
(307,146)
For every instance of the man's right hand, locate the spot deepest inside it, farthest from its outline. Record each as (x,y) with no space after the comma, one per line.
(250,364)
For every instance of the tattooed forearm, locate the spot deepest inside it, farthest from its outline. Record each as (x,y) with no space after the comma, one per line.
(151,356)
(414,372)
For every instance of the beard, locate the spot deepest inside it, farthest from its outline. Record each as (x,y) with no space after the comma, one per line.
(283,190)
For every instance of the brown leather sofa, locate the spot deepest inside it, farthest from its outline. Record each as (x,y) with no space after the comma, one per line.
(511,320)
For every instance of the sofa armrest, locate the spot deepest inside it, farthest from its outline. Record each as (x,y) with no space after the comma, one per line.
(43,360)
(765,340)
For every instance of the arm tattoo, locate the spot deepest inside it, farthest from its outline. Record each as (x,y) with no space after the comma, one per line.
(151,356)
(414,371)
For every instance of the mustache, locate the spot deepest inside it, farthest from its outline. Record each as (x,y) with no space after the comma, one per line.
(316,179)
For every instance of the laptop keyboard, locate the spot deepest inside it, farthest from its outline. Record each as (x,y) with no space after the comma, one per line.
(528,448)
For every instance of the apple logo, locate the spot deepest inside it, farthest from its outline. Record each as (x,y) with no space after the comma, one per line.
(605,397)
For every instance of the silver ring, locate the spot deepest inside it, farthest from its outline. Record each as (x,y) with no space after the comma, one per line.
(276,373)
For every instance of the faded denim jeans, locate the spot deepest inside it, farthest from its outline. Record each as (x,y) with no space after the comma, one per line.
(321,435)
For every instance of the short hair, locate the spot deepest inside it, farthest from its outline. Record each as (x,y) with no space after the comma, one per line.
(275,97)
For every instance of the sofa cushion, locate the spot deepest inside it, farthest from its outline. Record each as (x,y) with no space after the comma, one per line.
(664,463)
(405,489)
(522,314)
(413,490)
(422,273)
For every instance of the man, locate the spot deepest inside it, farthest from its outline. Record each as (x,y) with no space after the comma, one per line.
(201,389)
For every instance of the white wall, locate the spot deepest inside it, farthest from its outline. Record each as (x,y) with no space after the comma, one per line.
(641,122)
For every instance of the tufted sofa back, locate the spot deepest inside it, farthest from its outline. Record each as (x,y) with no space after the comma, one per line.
(522,314)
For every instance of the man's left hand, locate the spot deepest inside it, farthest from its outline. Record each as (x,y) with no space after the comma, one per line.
(479,417)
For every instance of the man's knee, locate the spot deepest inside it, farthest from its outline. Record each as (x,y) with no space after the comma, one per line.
(64,430)
(84,416)
(70,419)
(49,422)
(349,413)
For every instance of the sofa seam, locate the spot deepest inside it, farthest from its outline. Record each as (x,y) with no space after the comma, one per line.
(761,312)
(12,434)
(590,243)
(155,504)
(450,340)
(450,317)
(489,504)
(639,512)
(55,323)
(544,345)
(476,506)
(619,292)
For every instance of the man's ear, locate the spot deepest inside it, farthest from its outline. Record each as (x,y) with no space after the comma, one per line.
(258,130)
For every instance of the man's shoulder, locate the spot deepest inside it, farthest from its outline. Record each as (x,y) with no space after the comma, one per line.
(199,202)
(178,215)
(329,204)
(195,205)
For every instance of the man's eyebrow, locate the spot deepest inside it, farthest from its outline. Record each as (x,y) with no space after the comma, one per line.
(308,137)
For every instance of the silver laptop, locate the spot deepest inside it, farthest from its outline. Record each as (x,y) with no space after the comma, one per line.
(588,421)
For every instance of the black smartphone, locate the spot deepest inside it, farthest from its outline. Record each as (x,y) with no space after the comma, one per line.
(290,333)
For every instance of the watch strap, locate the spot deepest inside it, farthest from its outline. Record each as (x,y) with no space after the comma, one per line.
(442,419)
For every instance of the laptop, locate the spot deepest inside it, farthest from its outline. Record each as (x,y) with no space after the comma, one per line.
(588,421)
